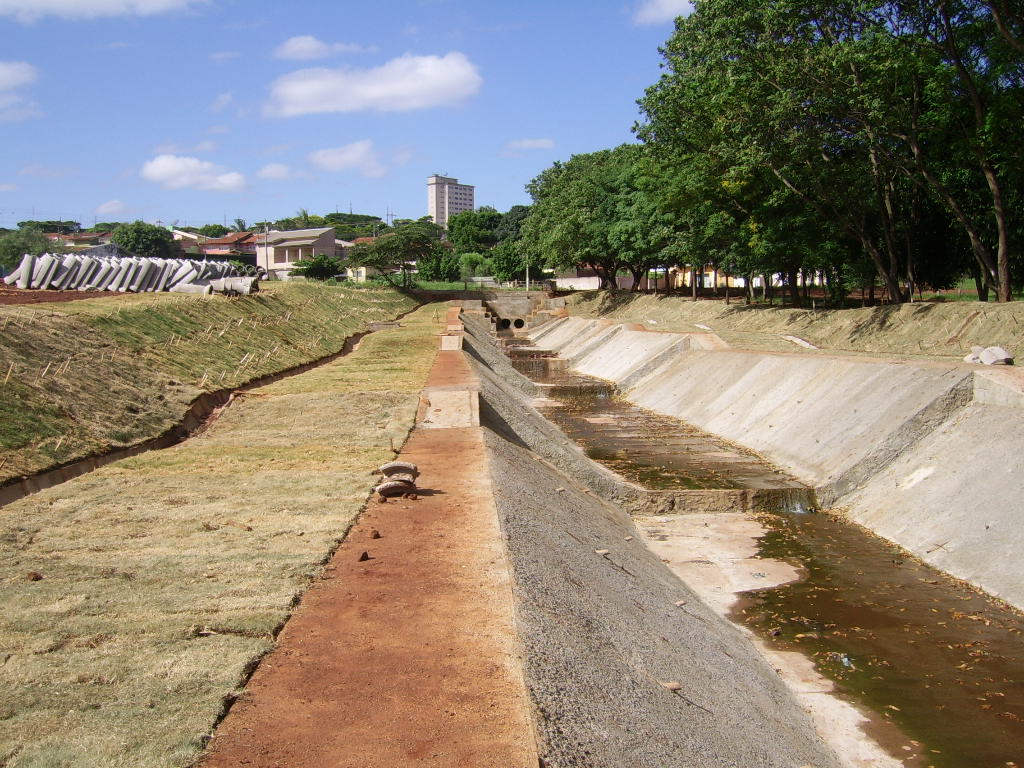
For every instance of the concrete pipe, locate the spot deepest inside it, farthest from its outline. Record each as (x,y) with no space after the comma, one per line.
(28,263)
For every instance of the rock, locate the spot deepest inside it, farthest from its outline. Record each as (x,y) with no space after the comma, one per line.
(996,356)
(672,685)
(374,534)
(602,552)
(364,557)
(34,576)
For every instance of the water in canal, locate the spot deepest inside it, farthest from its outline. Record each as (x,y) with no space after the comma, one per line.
(938,659)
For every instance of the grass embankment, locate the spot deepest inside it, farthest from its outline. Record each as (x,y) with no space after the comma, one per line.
(934,330)
(84,377)
(165,576)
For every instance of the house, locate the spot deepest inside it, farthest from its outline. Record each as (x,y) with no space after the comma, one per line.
(277,252)
(232,244)
(79,240)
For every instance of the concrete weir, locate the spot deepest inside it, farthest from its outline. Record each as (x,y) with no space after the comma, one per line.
(926,454)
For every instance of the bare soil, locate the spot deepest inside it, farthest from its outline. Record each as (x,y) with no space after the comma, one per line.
(10,296)
(408,657)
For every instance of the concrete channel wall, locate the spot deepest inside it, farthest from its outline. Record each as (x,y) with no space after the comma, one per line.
(925,454)
(624,663)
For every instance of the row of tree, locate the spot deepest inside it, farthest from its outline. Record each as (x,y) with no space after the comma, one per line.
(857,139)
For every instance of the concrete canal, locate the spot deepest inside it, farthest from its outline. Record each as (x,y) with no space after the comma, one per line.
(935,665)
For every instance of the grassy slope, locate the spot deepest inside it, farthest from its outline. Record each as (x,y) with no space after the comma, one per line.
(155,599)
(93,375)
(915,330)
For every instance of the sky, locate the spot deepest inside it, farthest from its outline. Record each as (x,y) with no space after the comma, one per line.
(204,111)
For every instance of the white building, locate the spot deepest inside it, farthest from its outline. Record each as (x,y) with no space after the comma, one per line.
(277,252)
(446,197)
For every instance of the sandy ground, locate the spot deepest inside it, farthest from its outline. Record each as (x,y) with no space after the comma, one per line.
(715,555)
(406,658)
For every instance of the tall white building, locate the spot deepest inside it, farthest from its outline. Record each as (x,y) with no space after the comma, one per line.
(446,197)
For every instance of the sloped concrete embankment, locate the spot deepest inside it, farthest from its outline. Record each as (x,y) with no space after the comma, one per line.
(624,664)
(925,454)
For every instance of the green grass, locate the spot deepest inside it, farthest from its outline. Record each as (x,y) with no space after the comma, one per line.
(155,600)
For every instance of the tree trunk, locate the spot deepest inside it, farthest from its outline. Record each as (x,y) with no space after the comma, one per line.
(693,282)
(979,283)
(794,289)
(727,289)
(749,288)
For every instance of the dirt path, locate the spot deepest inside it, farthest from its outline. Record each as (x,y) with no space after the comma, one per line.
(408,658)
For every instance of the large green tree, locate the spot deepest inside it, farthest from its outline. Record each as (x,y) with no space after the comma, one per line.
(145,239)
(14,245)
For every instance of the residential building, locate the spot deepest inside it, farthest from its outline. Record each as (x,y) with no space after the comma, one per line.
(446,197)
(277,252)
(232,244)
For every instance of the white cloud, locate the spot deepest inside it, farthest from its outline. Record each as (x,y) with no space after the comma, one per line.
(406,83)
(223,56)
(360,156)
(16,74)
(223,101)
(14,106)
(306,47)
(281,172)
(8,187)
(28,11)
(177,172)
(520,144)
(45,171)
(110,208)
(653,12)
(170,148)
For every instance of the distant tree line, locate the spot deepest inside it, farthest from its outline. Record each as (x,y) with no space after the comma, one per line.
(868,142)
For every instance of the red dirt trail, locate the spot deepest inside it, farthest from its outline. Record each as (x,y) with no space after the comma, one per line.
(408,658)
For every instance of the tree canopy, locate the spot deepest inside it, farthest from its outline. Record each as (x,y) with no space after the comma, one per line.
(858,139)
(145,239)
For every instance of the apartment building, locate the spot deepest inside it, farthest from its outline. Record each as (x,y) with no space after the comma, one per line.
(446,197)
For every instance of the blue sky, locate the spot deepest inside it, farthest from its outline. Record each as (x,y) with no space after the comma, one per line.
(198,111)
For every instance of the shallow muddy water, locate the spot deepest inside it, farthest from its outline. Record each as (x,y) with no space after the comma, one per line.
(941,661)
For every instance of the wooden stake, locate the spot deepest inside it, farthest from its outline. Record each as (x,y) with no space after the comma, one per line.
(47,368)
(8,376)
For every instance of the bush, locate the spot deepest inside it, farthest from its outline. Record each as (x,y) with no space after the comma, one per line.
(320,267)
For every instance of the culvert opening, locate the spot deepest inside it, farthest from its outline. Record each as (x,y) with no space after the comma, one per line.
(504,324)
(518,322)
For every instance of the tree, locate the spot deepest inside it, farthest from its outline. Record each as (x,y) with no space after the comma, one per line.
(239,225)
(61,227)
(213,230)
(396,254)
(319,267)
(441,265)
(14,245)
(474,230)
(146,240)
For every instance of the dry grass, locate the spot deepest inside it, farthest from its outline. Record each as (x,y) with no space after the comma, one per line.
(105,373)
(166,575)
(919,330)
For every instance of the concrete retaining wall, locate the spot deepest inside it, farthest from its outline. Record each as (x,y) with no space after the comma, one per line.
(625,665)
(925,454)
